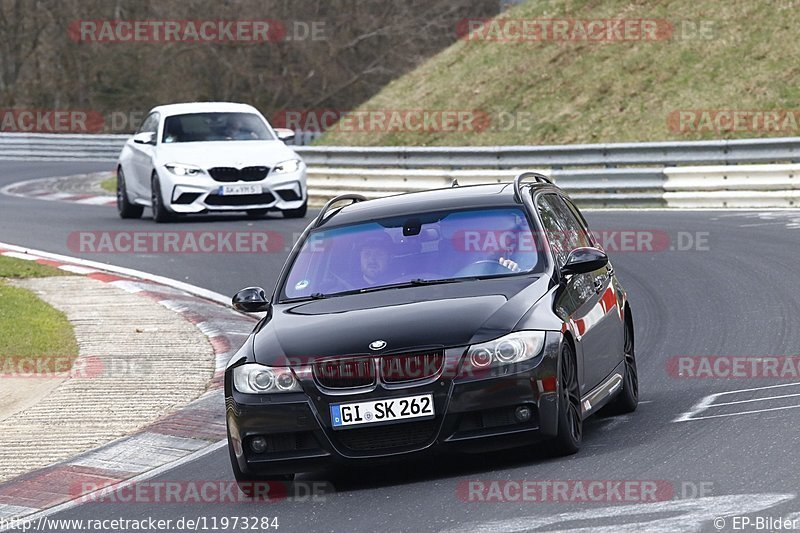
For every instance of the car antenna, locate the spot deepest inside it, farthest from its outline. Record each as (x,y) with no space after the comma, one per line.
(455,183)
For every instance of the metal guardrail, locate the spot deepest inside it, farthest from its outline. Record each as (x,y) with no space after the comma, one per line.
(651,154)
(681,174)
(778,150)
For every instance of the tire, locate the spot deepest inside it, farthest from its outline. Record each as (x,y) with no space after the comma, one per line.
(257,213)
(628,398)
(125,208)
(248,483)
(300,212)
(160,211)
(570,424)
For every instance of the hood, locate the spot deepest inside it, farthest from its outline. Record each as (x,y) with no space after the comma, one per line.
(226,153)
(407,319)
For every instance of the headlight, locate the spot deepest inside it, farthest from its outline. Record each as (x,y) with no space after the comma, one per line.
(286,167)
(259,379)
(184,170)
(512,348)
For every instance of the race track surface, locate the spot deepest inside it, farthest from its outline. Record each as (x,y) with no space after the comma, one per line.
(733,294)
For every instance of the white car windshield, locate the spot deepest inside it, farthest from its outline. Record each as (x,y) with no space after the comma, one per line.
(204,127)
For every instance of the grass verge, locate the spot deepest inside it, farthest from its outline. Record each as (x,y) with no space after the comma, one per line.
(29,327)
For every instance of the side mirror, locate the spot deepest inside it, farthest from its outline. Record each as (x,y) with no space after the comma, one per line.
(145,137)
(584,260)
(251,300)
(285,134)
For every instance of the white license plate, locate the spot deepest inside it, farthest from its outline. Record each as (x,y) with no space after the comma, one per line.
(237,190)
(373,412)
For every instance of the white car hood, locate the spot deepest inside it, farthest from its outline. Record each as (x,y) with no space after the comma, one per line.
(236,154)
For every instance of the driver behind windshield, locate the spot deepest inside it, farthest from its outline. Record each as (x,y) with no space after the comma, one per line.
(374,257)
(234,129)
(376,254)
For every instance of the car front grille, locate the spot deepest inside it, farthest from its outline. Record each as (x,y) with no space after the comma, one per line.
(238,200)
(231,174)
(412,367)
(402,435)
(353,372)
(345,373)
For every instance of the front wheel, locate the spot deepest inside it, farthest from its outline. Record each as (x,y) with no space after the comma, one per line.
(160,211)
(125,208)
(300,212)
(570,423)
(628,398)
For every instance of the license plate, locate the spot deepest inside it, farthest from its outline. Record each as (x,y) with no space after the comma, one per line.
(237,190)
(374,412)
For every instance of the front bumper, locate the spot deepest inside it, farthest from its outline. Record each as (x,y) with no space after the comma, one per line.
(472,414)
(201,194)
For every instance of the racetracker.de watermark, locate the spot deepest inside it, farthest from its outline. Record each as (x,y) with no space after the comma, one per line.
(201,492)
(255,31)
(719,121)
(70,367)
(597,30)
(734,367)
(579,491)
(383,120)
(612,240)
(176,242)
(51,121)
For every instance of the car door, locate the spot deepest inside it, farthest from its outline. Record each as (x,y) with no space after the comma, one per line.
(142,159)
(564,234)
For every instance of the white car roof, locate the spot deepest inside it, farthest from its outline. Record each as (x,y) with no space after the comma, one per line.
(203,107)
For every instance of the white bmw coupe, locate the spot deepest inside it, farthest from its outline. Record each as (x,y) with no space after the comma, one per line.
(209,157)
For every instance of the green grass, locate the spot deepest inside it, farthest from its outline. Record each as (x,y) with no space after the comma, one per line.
(586,92)
(19,268)
(28,326)
(109,185)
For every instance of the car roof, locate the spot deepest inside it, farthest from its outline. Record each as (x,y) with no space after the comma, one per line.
(203,107)
(471,196)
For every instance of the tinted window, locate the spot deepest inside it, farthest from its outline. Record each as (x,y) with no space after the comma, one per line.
(202,127)
(564,232)
(435,246)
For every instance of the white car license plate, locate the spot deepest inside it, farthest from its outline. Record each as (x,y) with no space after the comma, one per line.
(237,190)
(390,410)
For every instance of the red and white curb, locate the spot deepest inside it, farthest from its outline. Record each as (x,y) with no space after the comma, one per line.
(47,189)
(182,436)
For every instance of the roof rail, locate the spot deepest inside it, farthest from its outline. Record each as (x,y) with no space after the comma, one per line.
(354,197)
(540,178)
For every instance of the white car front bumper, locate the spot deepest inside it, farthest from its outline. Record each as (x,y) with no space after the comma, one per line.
(197,194)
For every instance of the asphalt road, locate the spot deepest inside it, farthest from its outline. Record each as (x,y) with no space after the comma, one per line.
(733,295)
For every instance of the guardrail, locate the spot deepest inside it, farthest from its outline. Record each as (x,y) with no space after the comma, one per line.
(752,172)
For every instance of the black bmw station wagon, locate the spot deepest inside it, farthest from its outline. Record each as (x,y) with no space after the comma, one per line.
(470,318)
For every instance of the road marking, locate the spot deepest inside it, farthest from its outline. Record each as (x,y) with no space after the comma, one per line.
(684,515)
(707,403)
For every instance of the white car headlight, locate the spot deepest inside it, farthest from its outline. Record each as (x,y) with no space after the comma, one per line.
(180,169)
(259,379)
(287,167)
(512,348)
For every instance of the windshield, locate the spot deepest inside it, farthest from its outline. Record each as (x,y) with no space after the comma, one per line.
(202,127)
(414,249)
